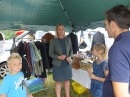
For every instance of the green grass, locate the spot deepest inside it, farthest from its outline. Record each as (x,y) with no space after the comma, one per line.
(50,92)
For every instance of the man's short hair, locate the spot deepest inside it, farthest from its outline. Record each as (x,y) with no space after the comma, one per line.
(120,14)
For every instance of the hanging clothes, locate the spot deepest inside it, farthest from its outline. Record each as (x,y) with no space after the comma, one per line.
(42,48)
(74,41)
(33,57)
(25,65)
(46,40)
(37,53)
(46,48)
(38,68)
(32,60)
(28,56)
(47,37)
(49,58)
(98,37)
(38,64)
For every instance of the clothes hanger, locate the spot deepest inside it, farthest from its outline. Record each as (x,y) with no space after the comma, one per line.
(44,40)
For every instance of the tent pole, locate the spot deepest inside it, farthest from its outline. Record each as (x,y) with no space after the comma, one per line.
(66,14)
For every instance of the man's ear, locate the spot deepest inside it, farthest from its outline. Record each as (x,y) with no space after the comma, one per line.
(113,26)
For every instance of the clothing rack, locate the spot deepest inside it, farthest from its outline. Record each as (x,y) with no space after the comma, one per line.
(30,39)
(48,83)
(21,37)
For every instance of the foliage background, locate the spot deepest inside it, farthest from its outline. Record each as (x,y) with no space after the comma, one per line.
(8,34)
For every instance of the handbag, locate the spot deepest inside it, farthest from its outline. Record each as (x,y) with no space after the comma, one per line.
(14,48)
(83,45)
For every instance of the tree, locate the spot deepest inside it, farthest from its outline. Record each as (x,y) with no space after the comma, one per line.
(9,34)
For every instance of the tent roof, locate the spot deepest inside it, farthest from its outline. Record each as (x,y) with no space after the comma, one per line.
(46,14)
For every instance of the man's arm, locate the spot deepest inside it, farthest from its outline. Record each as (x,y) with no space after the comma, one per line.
(119,70)
(120,89)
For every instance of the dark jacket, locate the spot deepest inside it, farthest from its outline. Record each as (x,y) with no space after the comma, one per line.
(98,37)
(25,66)
(41,46)
(74,41)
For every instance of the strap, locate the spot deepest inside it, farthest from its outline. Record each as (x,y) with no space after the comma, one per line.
(13,45)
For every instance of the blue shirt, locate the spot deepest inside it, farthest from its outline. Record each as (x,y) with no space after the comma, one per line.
(12,85)
(119,63)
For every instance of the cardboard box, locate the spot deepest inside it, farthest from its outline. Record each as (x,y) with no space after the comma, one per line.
(75,62)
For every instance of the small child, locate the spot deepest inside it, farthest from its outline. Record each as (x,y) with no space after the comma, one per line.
(13,84)
(100,70)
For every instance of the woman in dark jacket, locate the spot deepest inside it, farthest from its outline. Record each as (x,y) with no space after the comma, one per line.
(61,51)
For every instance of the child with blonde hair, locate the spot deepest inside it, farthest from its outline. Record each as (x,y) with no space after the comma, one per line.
(13,84)
(100,70)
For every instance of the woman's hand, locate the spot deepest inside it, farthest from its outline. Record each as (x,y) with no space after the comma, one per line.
(68,59)
(62,57)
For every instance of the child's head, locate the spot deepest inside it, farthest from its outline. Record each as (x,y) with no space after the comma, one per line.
(100,50)
(14,63)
